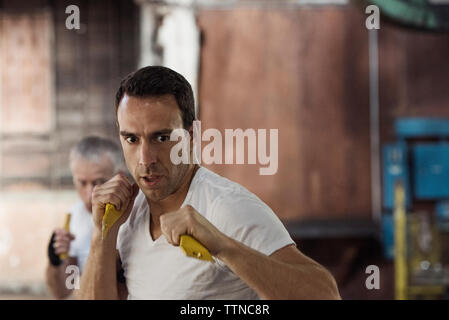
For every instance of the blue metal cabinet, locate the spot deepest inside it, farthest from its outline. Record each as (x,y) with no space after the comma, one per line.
(431,171)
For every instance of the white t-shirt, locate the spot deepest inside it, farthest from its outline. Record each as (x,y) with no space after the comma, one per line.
(82,226)
(158,270)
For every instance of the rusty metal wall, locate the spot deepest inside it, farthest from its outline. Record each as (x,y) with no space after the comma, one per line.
(305,72)
(414,75)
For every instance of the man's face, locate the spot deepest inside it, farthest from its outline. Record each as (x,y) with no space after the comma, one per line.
(145,126)
(87,174)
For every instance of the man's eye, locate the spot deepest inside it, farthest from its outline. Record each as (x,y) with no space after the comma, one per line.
(99,182)
(163,138)
(131,139)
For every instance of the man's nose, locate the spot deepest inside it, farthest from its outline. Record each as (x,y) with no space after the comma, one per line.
(147,155)
(89,189)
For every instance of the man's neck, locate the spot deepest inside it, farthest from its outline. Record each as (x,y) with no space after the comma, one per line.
(175,200)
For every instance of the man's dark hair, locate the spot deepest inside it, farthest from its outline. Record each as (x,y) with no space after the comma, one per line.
(153,81)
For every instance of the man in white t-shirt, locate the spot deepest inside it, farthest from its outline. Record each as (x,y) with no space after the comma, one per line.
(253,254)
(93,161)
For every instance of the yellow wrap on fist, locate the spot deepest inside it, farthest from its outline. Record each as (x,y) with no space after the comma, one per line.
(111,215)
(188,244)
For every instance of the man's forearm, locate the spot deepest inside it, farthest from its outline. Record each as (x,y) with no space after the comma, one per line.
(273,279)
(99,280)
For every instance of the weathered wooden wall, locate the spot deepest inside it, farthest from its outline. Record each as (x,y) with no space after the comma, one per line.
(58,85)
(90,63)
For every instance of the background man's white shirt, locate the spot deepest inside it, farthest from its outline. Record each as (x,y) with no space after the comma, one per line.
(82,226)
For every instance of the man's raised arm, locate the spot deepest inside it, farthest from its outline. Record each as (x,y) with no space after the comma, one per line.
(99,278)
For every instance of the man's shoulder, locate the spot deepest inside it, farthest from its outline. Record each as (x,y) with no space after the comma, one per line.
(224,194)
(221,186)
(241,215)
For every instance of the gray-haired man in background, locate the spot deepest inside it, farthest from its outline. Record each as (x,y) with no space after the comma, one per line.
(93,161)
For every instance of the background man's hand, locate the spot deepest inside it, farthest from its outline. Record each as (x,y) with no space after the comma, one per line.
(62,241)
(117,191)
(189,221)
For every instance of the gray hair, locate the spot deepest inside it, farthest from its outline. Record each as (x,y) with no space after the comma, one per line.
(92,148)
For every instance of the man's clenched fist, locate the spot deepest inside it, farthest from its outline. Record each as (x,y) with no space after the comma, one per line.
(117,191)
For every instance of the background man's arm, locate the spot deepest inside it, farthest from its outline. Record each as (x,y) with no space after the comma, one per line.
(56,277)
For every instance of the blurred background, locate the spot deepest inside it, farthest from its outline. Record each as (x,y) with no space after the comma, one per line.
(363,120)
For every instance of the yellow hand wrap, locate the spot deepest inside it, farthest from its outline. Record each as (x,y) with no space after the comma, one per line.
(66,227)
(192,248)
(111,215)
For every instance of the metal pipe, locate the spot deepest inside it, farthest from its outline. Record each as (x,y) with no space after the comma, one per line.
(376,199)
